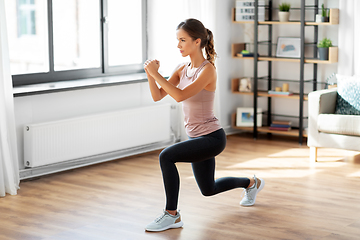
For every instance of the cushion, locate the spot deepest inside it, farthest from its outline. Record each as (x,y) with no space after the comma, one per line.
(348,95)
(339,124)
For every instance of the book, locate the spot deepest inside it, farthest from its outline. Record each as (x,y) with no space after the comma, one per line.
(280,128)
(271,92)
(281,122)
(246,55)
(280,125)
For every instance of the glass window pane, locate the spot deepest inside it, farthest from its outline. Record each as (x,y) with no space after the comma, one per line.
(125,32)
(28,36)
(76,25)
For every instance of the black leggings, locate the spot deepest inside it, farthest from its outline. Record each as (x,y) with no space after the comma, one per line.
(200,152)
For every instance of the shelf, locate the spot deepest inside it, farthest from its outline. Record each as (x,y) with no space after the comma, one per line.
(297,60)
(292,132)
(266,78)
(270,57)
(236,48)
(333,20)
(235,90)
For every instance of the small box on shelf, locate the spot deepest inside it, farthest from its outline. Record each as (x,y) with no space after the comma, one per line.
(236,48)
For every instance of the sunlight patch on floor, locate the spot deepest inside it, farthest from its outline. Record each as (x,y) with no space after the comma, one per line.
(292,152)
(271,173)
(287,163)
(355,174)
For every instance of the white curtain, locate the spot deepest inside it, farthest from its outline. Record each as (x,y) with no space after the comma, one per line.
(9,169)
(349,37)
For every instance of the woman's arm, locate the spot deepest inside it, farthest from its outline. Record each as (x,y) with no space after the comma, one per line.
(159,93)
(206,77)
(156,93)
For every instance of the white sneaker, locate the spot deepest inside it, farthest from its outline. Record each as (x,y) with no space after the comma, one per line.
(164,222)
(250,193)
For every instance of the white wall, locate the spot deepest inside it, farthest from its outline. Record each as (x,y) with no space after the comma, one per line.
(227,67)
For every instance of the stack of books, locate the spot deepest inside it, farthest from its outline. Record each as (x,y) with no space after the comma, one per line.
(246,54)
(271,92)
(280,125)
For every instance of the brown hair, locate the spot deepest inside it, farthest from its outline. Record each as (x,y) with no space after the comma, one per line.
(197,30)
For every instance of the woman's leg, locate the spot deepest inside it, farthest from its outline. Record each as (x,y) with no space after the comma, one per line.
(201,152)
(204,172)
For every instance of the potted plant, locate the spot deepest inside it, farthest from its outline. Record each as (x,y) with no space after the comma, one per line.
(323,47)
(284,13)
(324,14)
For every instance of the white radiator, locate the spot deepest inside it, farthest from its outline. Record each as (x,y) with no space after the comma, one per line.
(69,139)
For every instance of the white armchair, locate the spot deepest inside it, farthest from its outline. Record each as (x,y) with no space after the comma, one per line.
(329,130)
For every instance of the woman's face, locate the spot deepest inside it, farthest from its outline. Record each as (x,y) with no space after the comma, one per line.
(186,44)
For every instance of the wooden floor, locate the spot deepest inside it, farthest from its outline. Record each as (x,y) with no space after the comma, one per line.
(115,200)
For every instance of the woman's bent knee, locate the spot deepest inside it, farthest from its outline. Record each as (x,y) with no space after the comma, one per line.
(165,156)
(207,193)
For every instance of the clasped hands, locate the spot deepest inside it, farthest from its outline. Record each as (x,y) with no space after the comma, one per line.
(151,66)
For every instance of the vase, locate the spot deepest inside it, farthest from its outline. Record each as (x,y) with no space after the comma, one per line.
(324,19)
(323,53)
(318,18)
(284,16)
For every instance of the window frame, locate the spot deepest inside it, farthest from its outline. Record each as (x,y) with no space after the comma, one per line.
(103,71)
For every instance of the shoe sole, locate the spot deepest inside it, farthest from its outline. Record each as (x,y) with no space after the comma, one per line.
(262,184)
(175,225)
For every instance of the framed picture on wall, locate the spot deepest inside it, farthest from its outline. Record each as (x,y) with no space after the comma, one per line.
(289,47)
(245,117)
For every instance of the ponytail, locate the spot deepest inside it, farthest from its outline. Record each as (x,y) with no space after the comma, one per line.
(209,48)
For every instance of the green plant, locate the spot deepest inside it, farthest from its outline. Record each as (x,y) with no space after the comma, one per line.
(284,7)
(324,11)
(325,43)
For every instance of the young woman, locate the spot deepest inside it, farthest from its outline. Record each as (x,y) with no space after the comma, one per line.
(194,85)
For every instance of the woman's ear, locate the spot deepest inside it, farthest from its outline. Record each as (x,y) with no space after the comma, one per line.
(198,41)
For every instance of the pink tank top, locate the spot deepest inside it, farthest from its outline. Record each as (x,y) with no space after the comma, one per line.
(198,109)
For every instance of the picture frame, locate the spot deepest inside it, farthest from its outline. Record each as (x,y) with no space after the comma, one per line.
(245,117)
(245,84)
(289,47)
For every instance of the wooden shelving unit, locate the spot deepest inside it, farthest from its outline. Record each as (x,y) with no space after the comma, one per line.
(235,90)
(236,49)
(291,132)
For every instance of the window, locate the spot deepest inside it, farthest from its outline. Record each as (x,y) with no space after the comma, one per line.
(27,36)
(119,51)
(76,34)
(56,40)
(26,17)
